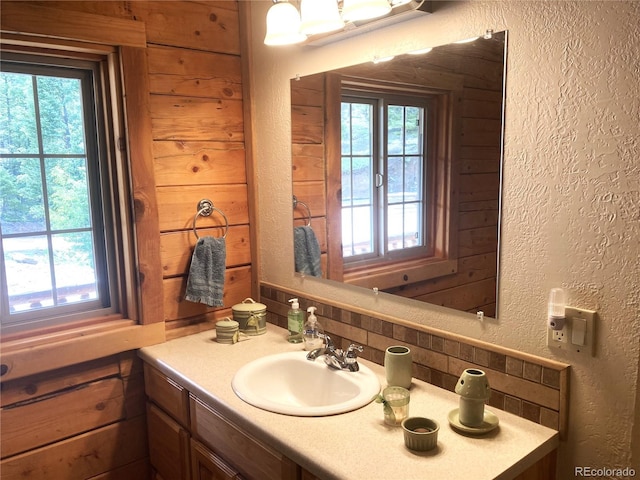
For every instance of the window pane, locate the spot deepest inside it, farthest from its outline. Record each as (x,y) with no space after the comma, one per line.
(74,266)
(357,178)
(362,177)
(21,199)
(54,250)
(17,114)
(413,132)
(395,179)
(68,194)
(61,116)
(357,231)
(413,179)
(347,194)
(361,129)
(345,128)
(395,129)
(28,273)
(405,226)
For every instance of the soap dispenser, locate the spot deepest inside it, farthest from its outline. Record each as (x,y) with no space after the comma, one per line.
(295,321)
(312,333)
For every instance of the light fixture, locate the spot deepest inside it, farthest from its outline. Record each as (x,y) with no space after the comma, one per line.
(356,10)
(290,22)
(467,40)
(283,25)
(320,16)
(382,59)
(421,51)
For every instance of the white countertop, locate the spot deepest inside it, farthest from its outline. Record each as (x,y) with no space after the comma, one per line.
(355,445)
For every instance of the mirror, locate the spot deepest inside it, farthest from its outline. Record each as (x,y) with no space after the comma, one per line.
(411,208)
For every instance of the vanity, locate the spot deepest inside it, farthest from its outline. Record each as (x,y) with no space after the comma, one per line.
(200,429)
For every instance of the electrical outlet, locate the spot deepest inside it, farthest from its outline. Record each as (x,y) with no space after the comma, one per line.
(557,338)
(578,333)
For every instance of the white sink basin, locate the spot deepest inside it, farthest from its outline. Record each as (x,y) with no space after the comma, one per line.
(288,383)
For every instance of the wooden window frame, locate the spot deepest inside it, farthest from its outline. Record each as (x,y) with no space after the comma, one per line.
(123,41)
(380,101)
(444,260)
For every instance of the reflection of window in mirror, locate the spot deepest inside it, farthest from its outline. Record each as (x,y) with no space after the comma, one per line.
(385,171)
(466,84)
(395,184)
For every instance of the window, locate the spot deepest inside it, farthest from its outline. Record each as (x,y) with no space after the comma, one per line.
(386,170)
(57,244)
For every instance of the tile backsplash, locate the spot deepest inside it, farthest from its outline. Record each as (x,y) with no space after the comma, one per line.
(532,387)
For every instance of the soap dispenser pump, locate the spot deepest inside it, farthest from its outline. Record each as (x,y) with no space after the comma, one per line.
(295,321)
(312,333)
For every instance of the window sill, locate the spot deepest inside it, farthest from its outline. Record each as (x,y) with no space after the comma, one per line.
(27,356)
(400,273)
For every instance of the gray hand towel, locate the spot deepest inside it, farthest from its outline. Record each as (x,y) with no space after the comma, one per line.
(206,273)
(306,251)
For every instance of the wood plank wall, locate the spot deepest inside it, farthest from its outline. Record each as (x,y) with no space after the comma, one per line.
(480,66)
(88,421)
(84,421)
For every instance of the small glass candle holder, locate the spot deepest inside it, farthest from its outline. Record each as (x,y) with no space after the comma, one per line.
(395,401)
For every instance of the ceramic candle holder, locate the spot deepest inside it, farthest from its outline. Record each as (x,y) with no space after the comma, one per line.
(420,434)
(398,366)
(473,388)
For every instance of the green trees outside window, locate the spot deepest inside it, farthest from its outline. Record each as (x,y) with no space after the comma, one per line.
(51,222)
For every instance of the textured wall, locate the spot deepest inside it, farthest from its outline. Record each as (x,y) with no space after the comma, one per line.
(571,213)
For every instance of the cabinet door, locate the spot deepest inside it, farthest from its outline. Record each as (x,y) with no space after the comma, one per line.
(206,465)
(168,445)
(167,394)
(252,458)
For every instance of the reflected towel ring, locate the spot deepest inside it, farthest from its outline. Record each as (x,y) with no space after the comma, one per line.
(206,208)
(297,202)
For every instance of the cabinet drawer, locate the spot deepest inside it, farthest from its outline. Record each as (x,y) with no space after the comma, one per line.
(251,457)
(206,465)
(168,445)
(166,393)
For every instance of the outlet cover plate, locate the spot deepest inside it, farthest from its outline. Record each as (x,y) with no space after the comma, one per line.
(561,339)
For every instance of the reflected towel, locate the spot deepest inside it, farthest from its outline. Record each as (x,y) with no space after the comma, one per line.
(206,273)
(306,251)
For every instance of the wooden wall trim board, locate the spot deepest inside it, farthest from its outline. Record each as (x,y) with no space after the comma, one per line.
(71,25)
(24,426)
(50,356)
(136,86)
(246,35)
(82,456)
(76,422)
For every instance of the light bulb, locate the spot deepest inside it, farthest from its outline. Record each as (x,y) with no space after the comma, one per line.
(283,25)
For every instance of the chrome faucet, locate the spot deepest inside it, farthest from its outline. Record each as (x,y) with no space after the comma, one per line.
(336,357)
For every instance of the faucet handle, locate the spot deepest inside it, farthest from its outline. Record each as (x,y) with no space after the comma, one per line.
(328,342)
(351,357)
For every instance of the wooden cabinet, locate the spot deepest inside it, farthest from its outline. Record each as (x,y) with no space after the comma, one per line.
(167,394)
(168,445)
(189,439)
(252,457)
(206,465)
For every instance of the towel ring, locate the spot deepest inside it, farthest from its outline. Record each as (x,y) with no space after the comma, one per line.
(297,202)
(206,208)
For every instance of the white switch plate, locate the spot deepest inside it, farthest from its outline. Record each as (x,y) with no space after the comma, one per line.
(561,339)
